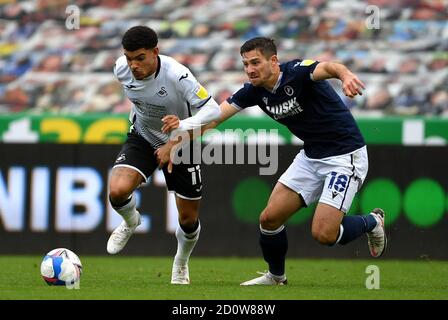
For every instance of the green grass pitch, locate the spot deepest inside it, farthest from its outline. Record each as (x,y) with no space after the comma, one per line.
(119,277)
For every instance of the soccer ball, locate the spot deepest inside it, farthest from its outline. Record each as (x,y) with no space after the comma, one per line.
(61,267)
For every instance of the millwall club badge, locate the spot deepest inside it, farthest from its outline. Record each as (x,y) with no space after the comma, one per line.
(289,90)
(265,100)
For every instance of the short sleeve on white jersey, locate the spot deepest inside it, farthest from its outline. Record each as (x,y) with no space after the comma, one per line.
(192,91)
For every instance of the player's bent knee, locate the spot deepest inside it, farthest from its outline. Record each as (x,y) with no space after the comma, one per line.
(188,220)
(188,211)
(119,194)
(269,222)
(323,236)
(188,216)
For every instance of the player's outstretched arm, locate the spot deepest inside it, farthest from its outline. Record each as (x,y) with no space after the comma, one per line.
(351,85)
(209,112)
(172,123)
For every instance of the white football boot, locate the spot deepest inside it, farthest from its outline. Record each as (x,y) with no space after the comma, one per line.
(377,239)
(265,280)
(120,236)
(180,274)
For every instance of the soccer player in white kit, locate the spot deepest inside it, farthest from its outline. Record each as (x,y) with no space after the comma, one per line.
(330,168)
(157,85)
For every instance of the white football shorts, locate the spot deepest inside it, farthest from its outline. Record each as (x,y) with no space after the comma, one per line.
(333,180)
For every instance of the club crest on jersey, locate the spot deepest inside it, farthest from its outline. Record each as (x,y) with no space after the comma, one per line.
(289,90)
(265,100)
(162,92)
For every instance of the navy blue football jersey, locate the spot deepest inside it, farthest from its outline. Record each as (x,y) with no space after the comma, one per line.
(312,110)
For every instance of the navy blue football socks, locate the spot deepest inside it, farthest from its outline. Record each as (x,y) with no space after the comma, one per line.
(355,226)
(274,245)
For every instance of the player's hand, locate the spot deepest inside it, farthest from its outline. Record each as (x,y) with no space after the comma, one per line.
(170,122)
(352,86)
(163,155)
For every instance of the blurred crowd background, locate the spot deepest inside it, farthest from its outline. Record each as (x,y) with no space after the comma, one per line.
(45,67)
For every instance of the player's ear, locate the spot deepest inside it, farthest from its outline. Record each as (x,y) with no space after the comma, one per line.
(155,51)
(273,60)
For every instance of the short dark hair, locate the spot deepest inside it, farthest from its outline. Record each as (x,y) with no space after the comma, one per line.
(139,37)
(266,46)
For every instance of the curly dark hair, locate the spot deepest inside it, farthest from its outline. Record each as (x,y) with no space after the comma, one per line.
(139,37)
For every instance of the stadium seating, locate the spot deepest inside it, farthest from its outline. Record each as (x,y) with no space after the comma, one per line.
(47,67)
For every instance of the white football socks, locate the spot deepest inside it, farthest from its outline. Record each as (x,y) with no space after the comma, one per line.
(185,244)
(129,212)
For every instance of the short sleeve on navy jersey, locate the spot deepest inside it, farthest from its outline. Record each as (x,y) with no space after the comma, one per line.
(242,98)
(302,69)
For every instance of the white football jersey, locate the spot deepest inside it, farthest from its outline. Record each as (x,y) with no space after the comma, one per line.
(172,89)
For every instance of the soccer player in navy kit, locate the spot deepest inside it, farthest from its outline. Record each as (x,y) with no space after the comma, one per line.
(330,168)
